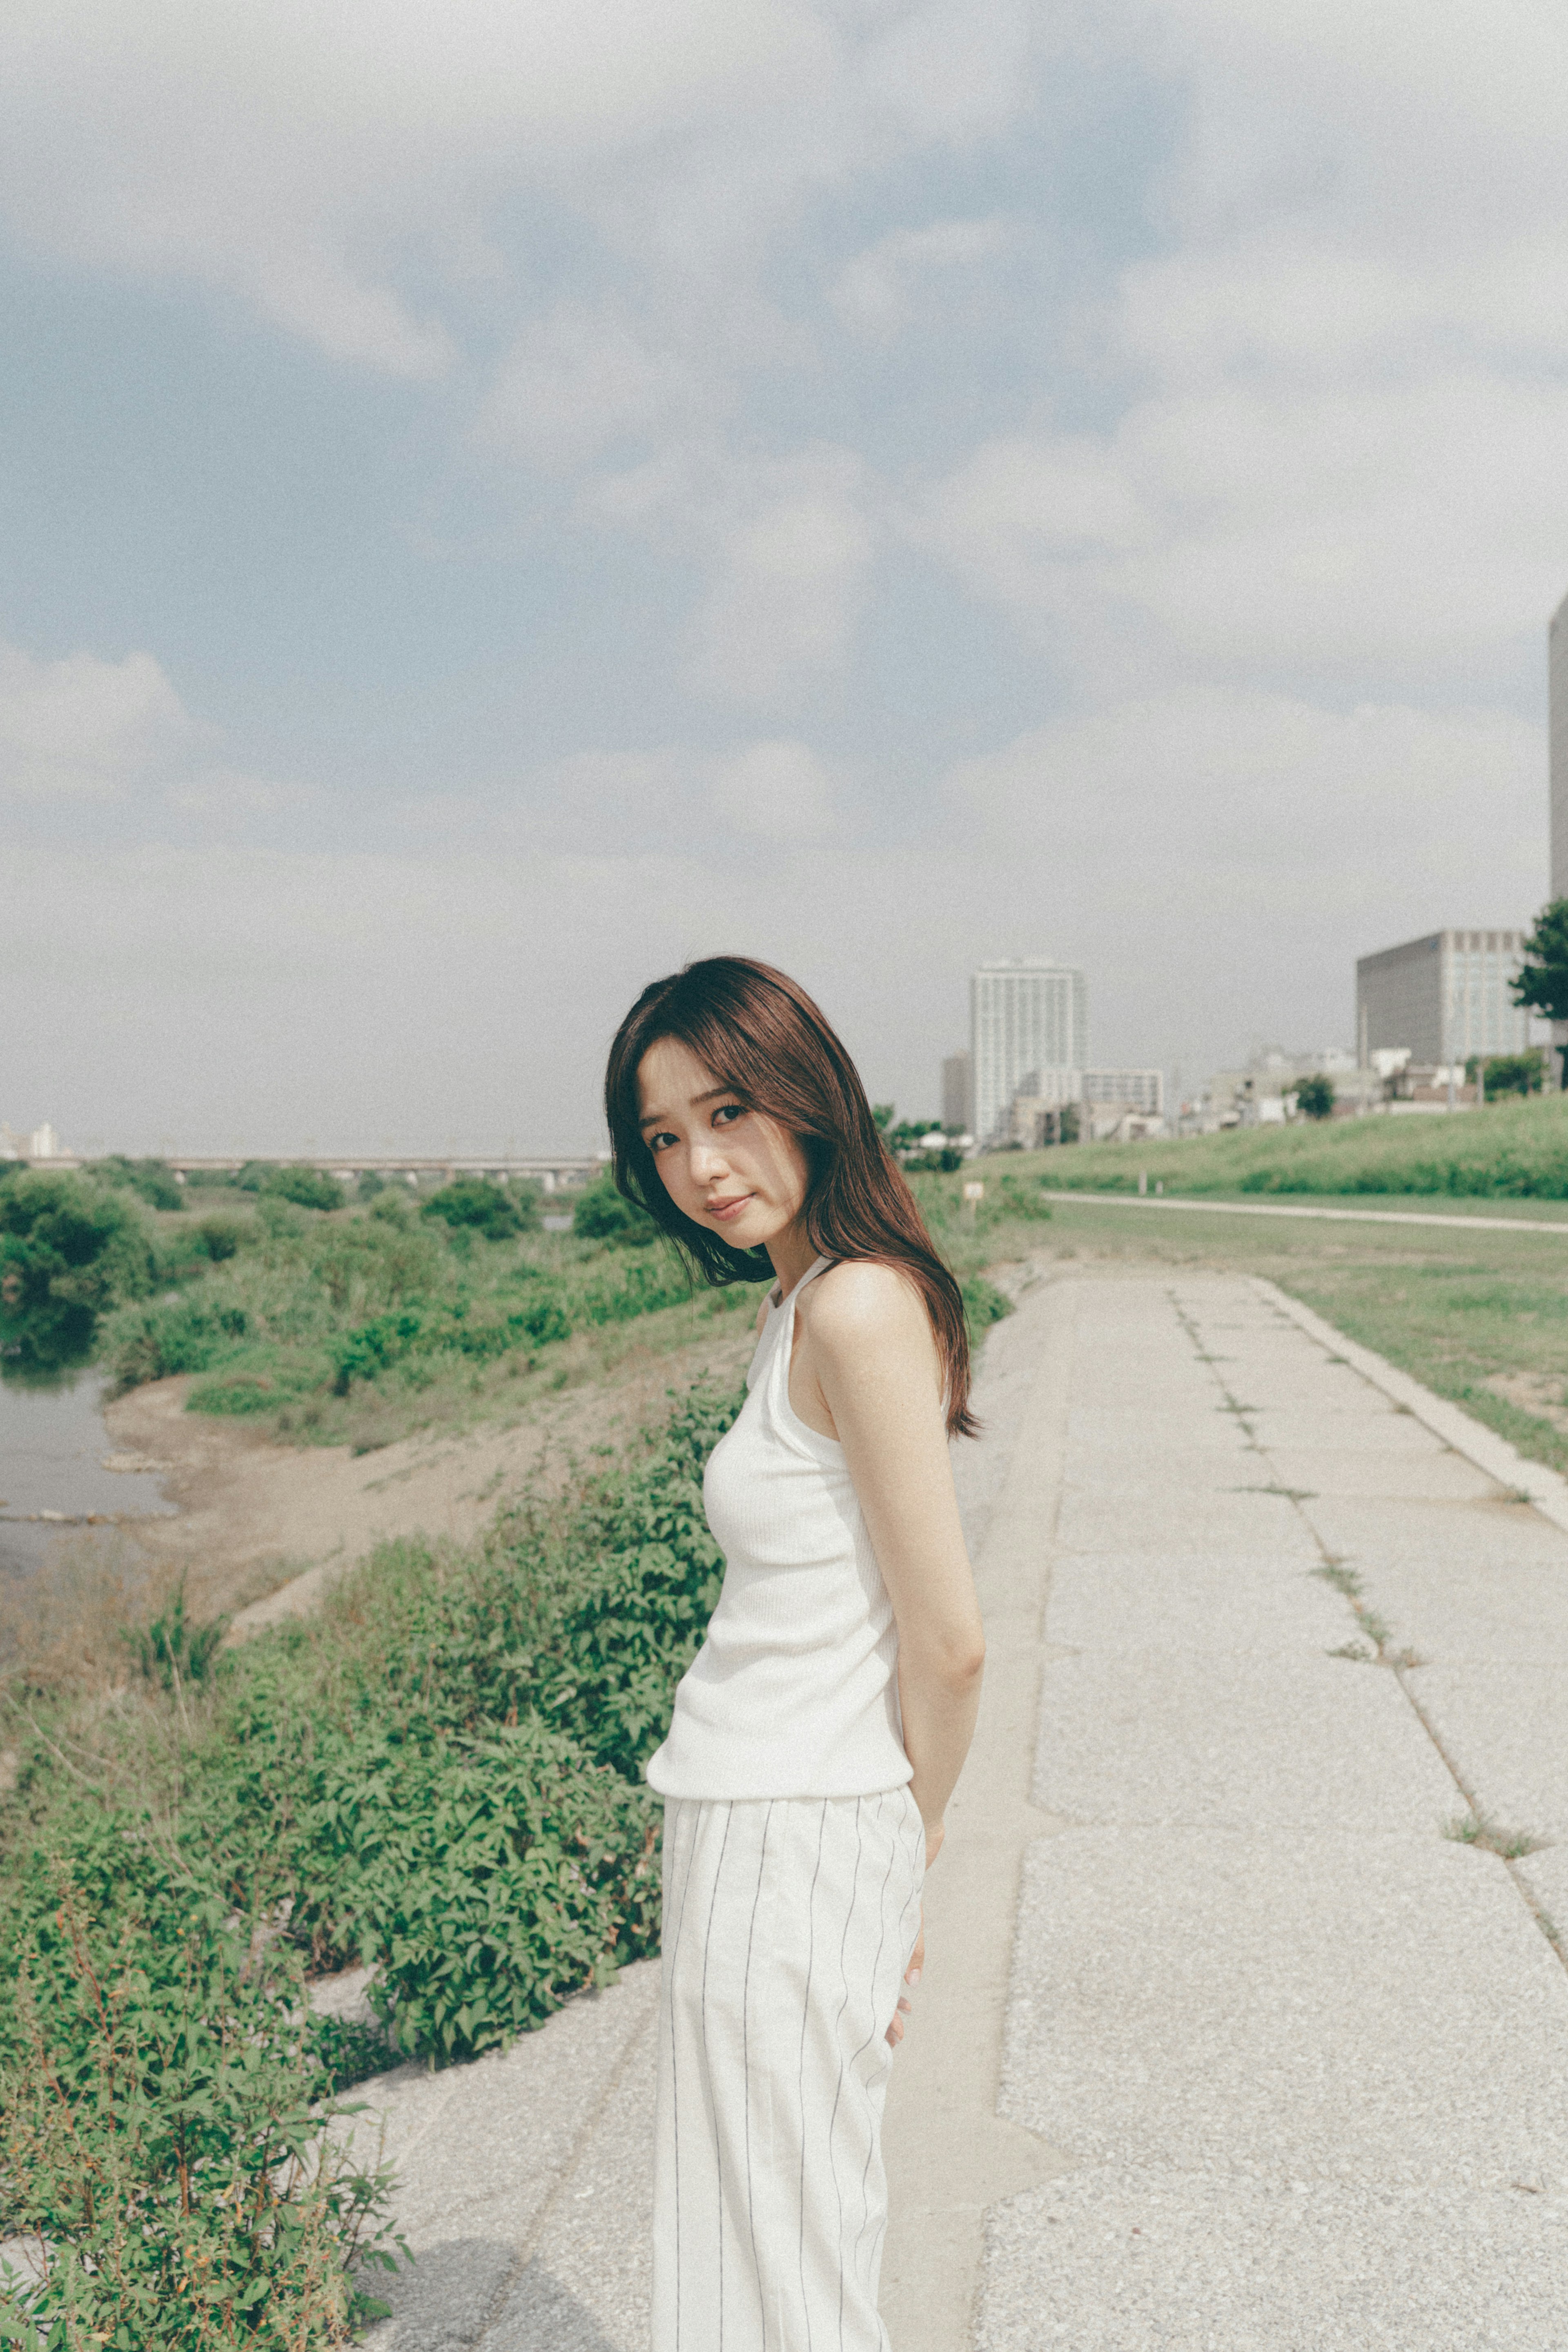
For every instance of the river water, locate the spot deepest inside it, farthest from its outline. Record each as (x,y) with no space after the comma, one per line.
(53,1449)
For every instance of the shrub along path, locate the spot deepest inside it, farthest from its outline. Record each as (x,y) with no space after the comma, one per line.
(1277,2053)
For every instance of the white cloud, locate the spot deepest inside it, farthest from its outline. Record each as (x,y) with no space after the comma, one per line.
(778,791)
(81,727)
(1356,528)
(319,158)
(1206,789)
(882,290)
(1339,452)
(577,382)
(223,796)
(794,543)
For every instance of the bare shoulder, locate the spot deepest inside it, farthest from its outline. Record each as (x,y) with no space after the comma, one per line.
(865,1305)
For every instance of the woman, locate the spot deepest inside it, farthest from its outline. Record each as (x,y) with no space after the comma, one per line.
(819,1731)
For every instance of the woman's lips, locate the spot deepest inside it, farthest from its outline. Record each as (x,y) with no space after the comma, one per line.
(729,1208)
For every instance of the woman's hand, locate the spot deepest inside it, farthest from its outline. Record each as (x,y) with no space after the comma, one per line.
(912,1979)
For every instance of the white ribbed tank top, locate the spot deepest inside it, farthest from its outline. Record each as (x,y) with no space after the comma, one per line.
(795,1691)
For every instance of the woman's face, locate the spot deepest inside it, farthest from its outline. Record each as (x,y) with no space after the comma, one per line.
(723,1165)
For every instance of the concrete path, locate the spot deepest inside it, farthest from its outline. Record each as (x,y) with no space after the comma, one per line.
(1224,2043)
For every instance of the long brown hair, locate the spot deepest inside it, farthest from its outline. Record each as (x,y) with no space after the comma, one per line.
(759,1032)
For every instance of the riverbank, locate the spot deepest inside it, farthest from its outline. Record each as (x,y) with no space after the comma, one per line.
(252,1515)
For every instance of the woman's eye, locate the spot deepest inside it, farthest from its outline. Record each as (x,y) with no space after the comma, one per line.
(658,1142)
(728,1114)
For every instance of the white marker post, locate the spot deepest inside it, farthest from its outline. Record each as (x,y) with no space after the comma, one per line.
(974,1194)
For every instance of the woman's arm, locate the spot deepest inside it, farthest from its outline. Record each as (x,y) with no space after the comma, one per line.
(868,1348)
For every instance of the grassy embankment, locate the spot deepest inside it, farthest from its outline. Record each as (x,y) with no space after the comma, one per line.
(1482,1317)
(358,1325)
(439,1774)
(1516,1150)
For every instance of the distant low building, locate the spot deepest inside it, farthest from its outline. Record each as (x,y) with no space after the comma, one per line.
(41,1144)
(1443,998)
(1120,1123)
(1264,1092)
(1139,1091)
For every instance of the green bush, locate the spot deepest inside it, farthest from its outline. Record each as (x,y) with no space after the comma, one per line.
(221,1237)
(172,1652)
(983,1305)
(313,1306)
(599,1214)
(163,2136)
(154,1179)
(68,1250)
(178,1334)
(472,1201)
(1509,1073)
(1315,1098)
(1011,1199)
(307,1188)
(488,1877)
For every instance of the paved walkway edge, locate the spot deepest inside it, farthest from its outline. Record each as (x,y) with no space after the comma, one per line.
(949,2153)
(1295,1209)
(1494,1455)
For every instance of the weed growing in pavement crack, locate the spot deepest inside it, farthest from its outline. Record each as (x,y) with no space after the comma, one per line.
(1345,1579)
(1479,1829)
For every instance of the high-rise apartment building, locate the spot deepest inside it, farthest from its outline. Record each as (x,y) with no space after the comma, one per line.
(1027,1014)
(1442,998)
(957,1093)
(1557,738)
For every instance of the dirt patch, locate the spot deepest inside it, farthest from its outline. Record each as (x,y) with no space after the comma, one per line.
(262,1528)
(1541,1393)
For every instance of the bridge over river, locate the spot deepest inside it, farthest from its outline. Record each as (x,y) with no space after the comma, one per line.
(556,1172)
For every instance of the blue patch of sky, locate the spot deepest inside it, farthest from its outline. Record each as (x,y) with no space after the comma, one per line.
(341,586)
(986,349)
(326,577)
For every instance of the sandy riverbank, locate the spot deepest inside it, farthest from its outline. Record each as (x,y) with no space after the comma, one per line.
(260,1527)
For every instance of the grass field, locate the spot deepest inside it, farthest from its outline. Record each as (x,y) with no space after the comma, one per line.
(1518,1148)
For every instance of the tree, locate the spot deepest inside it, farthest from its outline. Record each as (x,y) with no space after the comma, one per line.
(154,1179)
(1509,1073)
(306,1187)
(1541,983)
(600,1213)
(1314,1097)
(472,1201)
(909,1146)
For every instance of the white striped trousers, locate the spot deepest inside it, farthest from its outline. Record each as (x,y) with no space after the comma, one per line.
(787,1927)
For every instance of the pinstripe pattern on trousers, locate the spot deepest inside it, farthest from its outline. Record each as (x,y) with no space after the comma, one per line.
(788,1924)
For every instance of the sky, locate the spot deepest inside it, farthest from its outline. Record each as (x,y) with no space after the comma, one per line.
(496,502)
